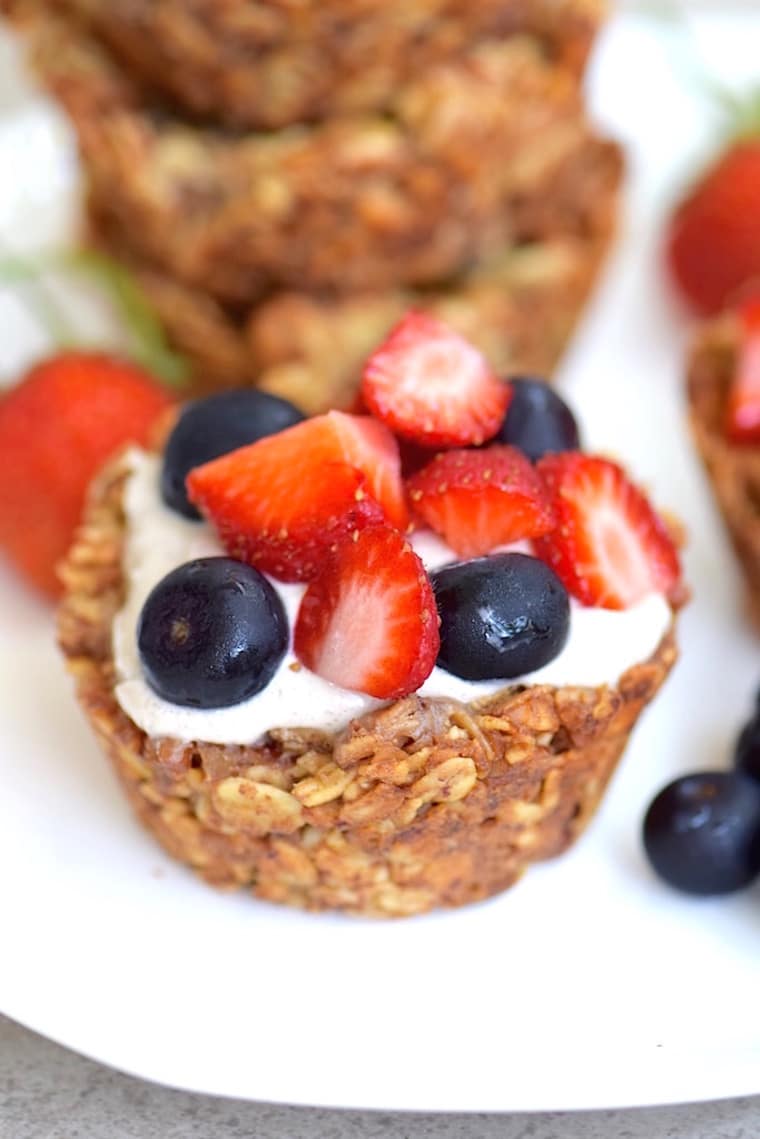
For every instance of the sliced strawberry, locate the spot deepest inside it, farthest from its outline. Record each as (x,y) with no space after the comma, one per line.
(57,427)
(478,500)
(369,622)
(430,385)
(609,547)
(282,502)
(743,409)
(369,446)
(282,519)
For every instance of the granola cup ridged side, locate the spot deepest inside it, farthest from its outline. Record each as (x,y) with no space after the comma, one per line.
(519,308)
(486,196)
(408,197)
(733,471)
(269,63)
(424,803)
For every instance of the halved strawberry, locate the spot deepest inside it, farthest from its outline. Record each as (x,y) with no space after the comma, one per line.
(57,427)
(478,500)
(609,547)
(742,424)
(369,621)
(282,502)
(430,385)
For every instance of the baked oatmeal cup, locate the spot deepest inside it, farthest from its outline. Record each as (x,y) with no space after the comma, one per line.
(488,149)
(265,65)
(454,664)
(519,307)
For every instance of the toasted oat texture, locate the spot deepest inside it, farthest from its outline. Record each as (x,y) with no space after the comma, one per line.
(519,309)
(483,152)
(424,803)
(270,64)
(734,471)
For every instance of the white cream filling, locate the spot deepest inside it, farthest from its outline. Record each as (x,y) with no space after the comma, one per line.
(601,644)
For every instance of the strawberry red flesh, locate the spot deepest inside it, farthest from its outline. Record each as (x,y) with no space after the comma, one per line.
(429,385)
(743,408)
(610,549)
(283,502)
(479,500)
(57,427)
(713,243)
(370,447)
(369,622)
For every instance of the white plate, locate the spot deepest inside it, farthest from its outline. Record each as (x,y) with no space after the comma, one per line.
(589,984)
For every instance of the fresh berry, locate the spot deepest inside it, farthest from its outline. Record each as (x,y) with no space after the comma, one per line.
(478,500)
(429,385)
(609,547)
(57,428)
(283,502)
(210,427)
(369,622)
(747,752)
(501,616)
(211,634)
(702,832)
(743,407)
(713,242)
(538,420)
(283,520)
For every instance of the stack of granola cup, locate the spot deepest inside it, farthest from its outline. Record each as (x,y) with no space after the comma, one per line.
(285,180)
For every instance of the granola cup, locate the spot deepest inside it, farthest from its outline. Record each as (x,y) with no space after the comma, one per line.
(424,803)
(733,471)
(520,308)
(485,151)
(494,213)
(253,64)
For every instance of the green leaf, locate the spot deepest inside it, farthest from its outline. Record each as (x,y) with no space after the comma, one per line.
(744,114)
(25,272)
(148,345)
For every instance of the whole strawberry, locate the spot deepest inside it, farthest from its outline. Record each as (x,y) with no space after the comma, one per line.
(57,427)
(713,238)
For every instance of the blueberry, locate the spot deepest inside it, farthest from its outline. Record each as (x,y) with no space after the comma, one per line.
(538,420)
(747,753)
(208,428)
(211,633)
(501,616)
(702,832)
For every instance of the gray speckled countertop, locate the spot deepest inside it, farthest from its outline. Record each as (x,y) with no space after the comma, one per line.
(47,1092)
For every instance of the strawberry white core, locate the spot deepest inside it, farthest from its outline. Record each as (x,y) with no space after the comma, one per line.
(355,637)
(619,556)
(437,368)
